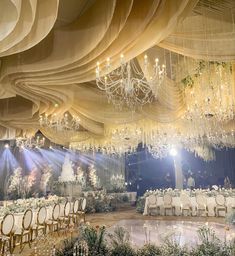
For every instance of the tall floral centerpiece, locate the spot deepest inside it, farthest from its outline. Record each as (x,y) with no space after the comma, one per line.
(46,175)
(80,178)
(15,183)
(28,182)
(117,183)
(93,179)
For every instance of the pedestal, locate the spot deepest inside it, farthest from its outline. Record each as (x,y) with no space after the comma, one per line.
(68,189)
(178,172)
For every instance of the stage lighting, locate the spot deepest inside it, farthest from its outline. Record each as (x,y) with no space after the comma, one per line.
(7,145)
(173,152)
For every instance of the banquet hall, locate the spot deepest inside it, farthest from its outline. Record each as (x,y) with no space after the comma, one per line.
(117,127)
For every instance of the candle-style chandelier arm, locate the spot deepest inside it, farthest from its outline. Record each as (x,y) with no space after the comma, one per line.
(60,122)
(129,85)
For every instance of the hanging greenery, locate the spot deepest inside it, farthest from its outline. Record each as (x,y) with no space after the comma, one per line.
(189,80)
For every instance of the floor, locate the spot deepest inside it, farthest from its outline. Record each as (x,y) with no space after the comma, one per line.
(121,217)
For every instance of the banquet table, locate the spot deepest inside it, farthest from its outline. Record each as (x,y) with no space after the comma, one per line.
(19,216)
(176,202)
(131,195)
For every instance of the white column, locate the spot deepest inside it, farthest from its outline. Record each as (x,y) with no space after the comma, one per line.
(178,172)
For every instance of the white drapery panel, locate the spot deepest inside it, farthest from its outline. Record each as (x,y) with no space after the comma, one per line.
(58,52)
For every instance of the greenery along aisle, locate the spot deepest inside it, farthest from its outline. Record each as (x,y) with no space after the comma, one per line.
(101,243)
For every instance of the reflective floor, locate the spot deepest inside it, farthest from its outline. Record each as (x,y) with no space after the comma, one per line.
(157,231)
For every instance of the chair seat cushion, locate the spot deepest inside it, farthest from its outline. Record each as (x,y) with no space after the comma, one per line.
(2,237)
(201,207)
(38,227)
(52,222)
(168,206)
(186,207)
(20,231)
(152,206)
(220,207)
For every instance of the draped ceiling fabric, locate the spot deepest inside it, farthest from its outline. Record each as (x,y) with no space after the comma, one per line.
(49,50)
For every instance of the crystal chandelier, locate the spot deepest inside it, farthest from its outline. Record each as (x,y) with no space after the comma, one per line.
(129,86)
(30,142)
(60,122)
(209,94)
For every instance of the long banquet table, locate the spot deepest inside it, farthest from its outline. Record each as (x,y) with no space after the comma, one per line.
(176,202)
(19,216)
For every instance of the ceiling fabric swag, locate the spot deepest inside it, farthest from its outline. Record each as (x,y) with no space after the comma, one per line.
(50,49)
(208,33)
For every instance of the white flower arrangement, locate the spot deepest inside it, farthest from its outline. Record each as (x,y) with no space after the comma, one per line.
(93,177)
(117,181)
(15,182)
(177,192)
(21,205)
(47,173)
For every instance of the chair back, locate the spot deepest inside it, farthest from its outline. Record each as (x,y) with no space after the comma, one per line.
(41,215)
(220,200)
(185,199)
(27,219)
(67,207)
(83,204)
(167,199)
(76,206)
(56,212)
(152,200)
(201,199)
(80,204)
(7,224)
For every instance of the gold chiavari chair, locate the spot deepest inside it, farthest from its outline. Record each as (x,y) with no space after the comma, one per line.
(23,234)
(6,237)
(65,218)
(74,215)
(41,222)
(53,223)
(152,204)
(201,205)
(82,211)
(167,204)
(220,205)
(186,205)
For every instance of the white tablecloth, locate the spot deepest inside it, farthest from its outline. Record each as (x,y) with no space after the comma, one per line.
(176,202)
(19,216)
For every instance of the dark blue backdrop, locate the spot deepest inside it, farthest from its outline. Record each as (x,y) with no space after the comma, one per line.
(144,172)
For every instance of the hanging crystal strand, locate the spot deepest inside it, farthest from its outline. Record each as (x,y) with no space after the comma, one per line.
(233,72)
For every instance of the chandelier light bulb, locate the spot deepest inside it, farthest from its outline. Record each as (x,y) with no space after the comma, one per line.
(173,152)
